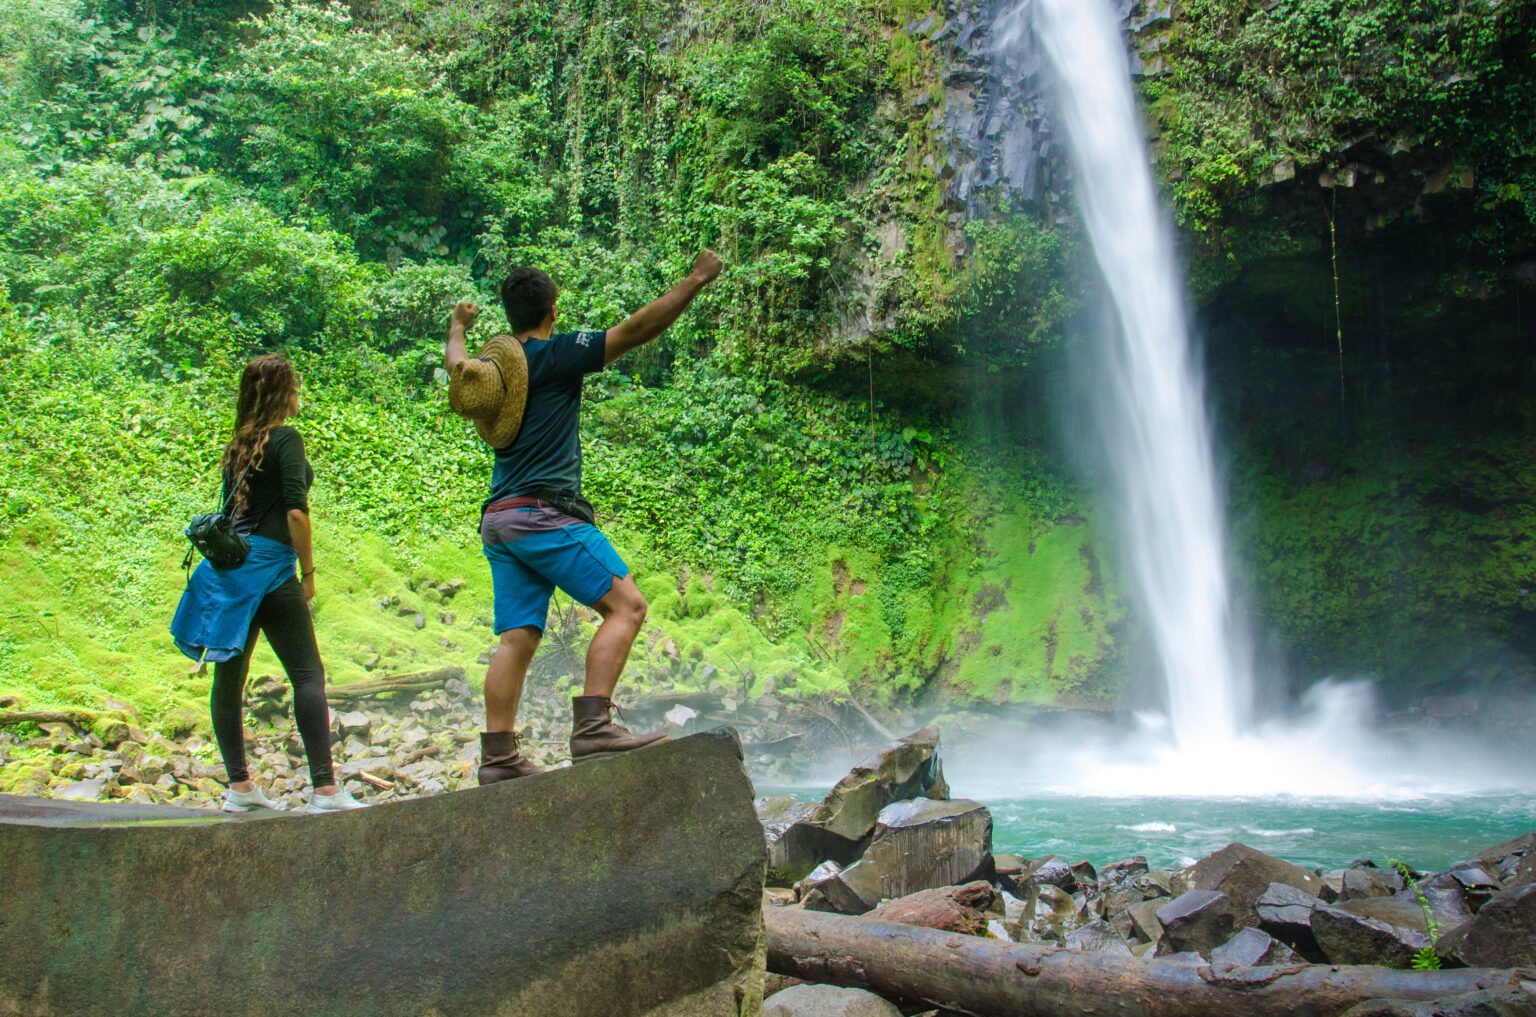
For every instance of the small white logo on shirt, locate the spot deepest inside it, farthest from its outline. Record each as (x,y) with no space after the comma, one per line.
(584,339)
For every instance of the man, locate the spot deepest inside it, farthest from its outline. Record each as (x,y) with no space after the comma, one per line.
(536,529)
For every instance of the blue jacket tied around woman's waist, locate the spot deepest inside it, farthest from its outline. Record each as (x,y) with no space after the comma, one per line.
(216,610)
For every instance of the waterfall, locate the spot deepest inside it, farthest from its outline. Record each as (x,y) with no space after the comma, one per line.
(1153,413)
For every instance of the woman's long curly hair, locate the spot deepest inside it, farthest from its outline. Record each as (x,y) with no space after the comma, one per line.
(266,393)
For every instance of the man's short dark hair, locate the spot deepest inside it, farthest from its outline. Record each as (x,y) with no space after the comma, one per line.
(527,294)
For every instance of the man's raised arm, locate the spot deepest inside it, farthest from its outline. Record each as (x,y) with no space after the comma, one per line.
(455,353)
(654,318)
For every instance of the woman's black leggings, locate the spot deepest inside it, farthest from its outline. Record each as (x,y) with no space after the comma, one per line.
(284,616)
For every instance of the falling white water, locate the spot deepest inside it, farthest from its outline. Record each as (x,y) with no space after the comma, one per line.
(1157,434)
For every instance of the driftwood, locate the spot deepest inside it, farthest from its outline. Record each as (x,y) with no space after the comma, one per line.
(986,977)
(416,681)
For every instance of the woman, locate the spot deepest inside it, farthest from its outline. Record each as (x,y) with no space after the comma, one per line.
(266,491)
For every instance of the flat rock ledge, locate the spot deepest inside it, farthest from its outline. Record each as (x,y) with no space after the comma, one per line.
(627,886)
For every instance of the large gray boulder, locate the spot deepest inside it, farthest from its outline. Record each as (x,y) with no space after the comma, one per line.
(1286,913)
(849,891)
(827,1001)
(1470,879)
(628,886)
(791,848)
(1243,874)
(1501,859)
(1252,948)
(1098,936)
(840,826)
(1501,935)
(1196,921)
(1383,930)
(1143,919)
(1360,881)
(1511,1001)
(922,844)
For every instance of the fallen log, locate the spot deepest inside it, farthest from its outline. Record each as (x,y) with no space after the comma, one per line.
(416,681)
(990,978)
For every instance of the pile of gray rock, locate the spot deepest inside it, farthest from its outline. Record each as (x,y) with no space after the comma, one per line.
(888,842)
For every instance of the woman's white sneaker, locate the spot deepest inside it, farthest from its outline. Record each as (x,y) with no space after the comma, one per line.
(246,801)
(341,801)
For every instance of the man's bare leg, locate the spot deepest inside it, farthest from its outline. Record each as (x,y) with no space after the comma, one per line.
(500,756)
(504,677)
(593,732)
(623,610)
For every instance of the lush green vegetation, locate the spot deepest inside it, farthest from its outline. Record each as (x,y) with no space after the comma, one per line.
(1418,96)
(182,189)
(790,469)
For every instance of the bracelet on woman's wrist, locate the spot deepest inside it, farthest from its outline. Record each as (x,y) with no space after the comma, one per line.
(305,575)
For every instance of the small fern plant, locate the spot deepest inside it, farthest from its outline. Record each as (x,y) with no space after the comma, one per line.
(1425,958)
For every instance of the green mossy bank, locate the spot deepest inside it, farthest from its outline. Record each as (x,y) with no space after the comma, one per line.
(839,474)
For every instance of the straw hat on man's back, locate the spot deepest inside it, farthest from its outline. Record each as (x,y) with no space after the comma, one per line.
(491,388)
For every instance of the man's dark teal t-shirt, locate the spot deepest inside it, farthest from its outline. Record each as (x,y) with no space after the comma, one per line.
(545,457)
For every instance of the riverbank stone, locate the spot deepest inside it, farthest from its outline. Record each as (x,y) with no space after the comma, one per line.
(1098,936)
(854,890)
(922,844)
(1286,914)
(1381,930)
(1243,874)
(840,826)
(827,1001)
(1143,919)
(1470,879)
(1196,921)
(1252,947)
(1501,935)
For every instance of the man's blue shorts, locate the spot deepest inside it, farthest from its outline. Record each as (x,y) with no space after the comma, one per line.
(524,572)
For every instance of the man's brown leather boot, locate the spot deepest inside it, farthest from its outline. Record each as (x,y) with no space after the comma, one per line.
(501,759)
(595,735)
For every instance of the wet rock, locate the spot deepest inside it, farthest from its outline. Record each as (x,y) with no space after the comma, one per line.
(1123,872)
(1144,922)
(1501,935)
(1359,881)
(1050,871)
(905,769)
(1286,914)
(827,1001)
(82,790)
(1499,856)
(922,844)
(788,853)
(951,908)
(1243,874)
(1469,879)
(1055,915)
(854,890)
(1382,930)
(1506,1002)
(1252,947)
(354,722)
(1196,921)
(1097,937)
(840,826)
